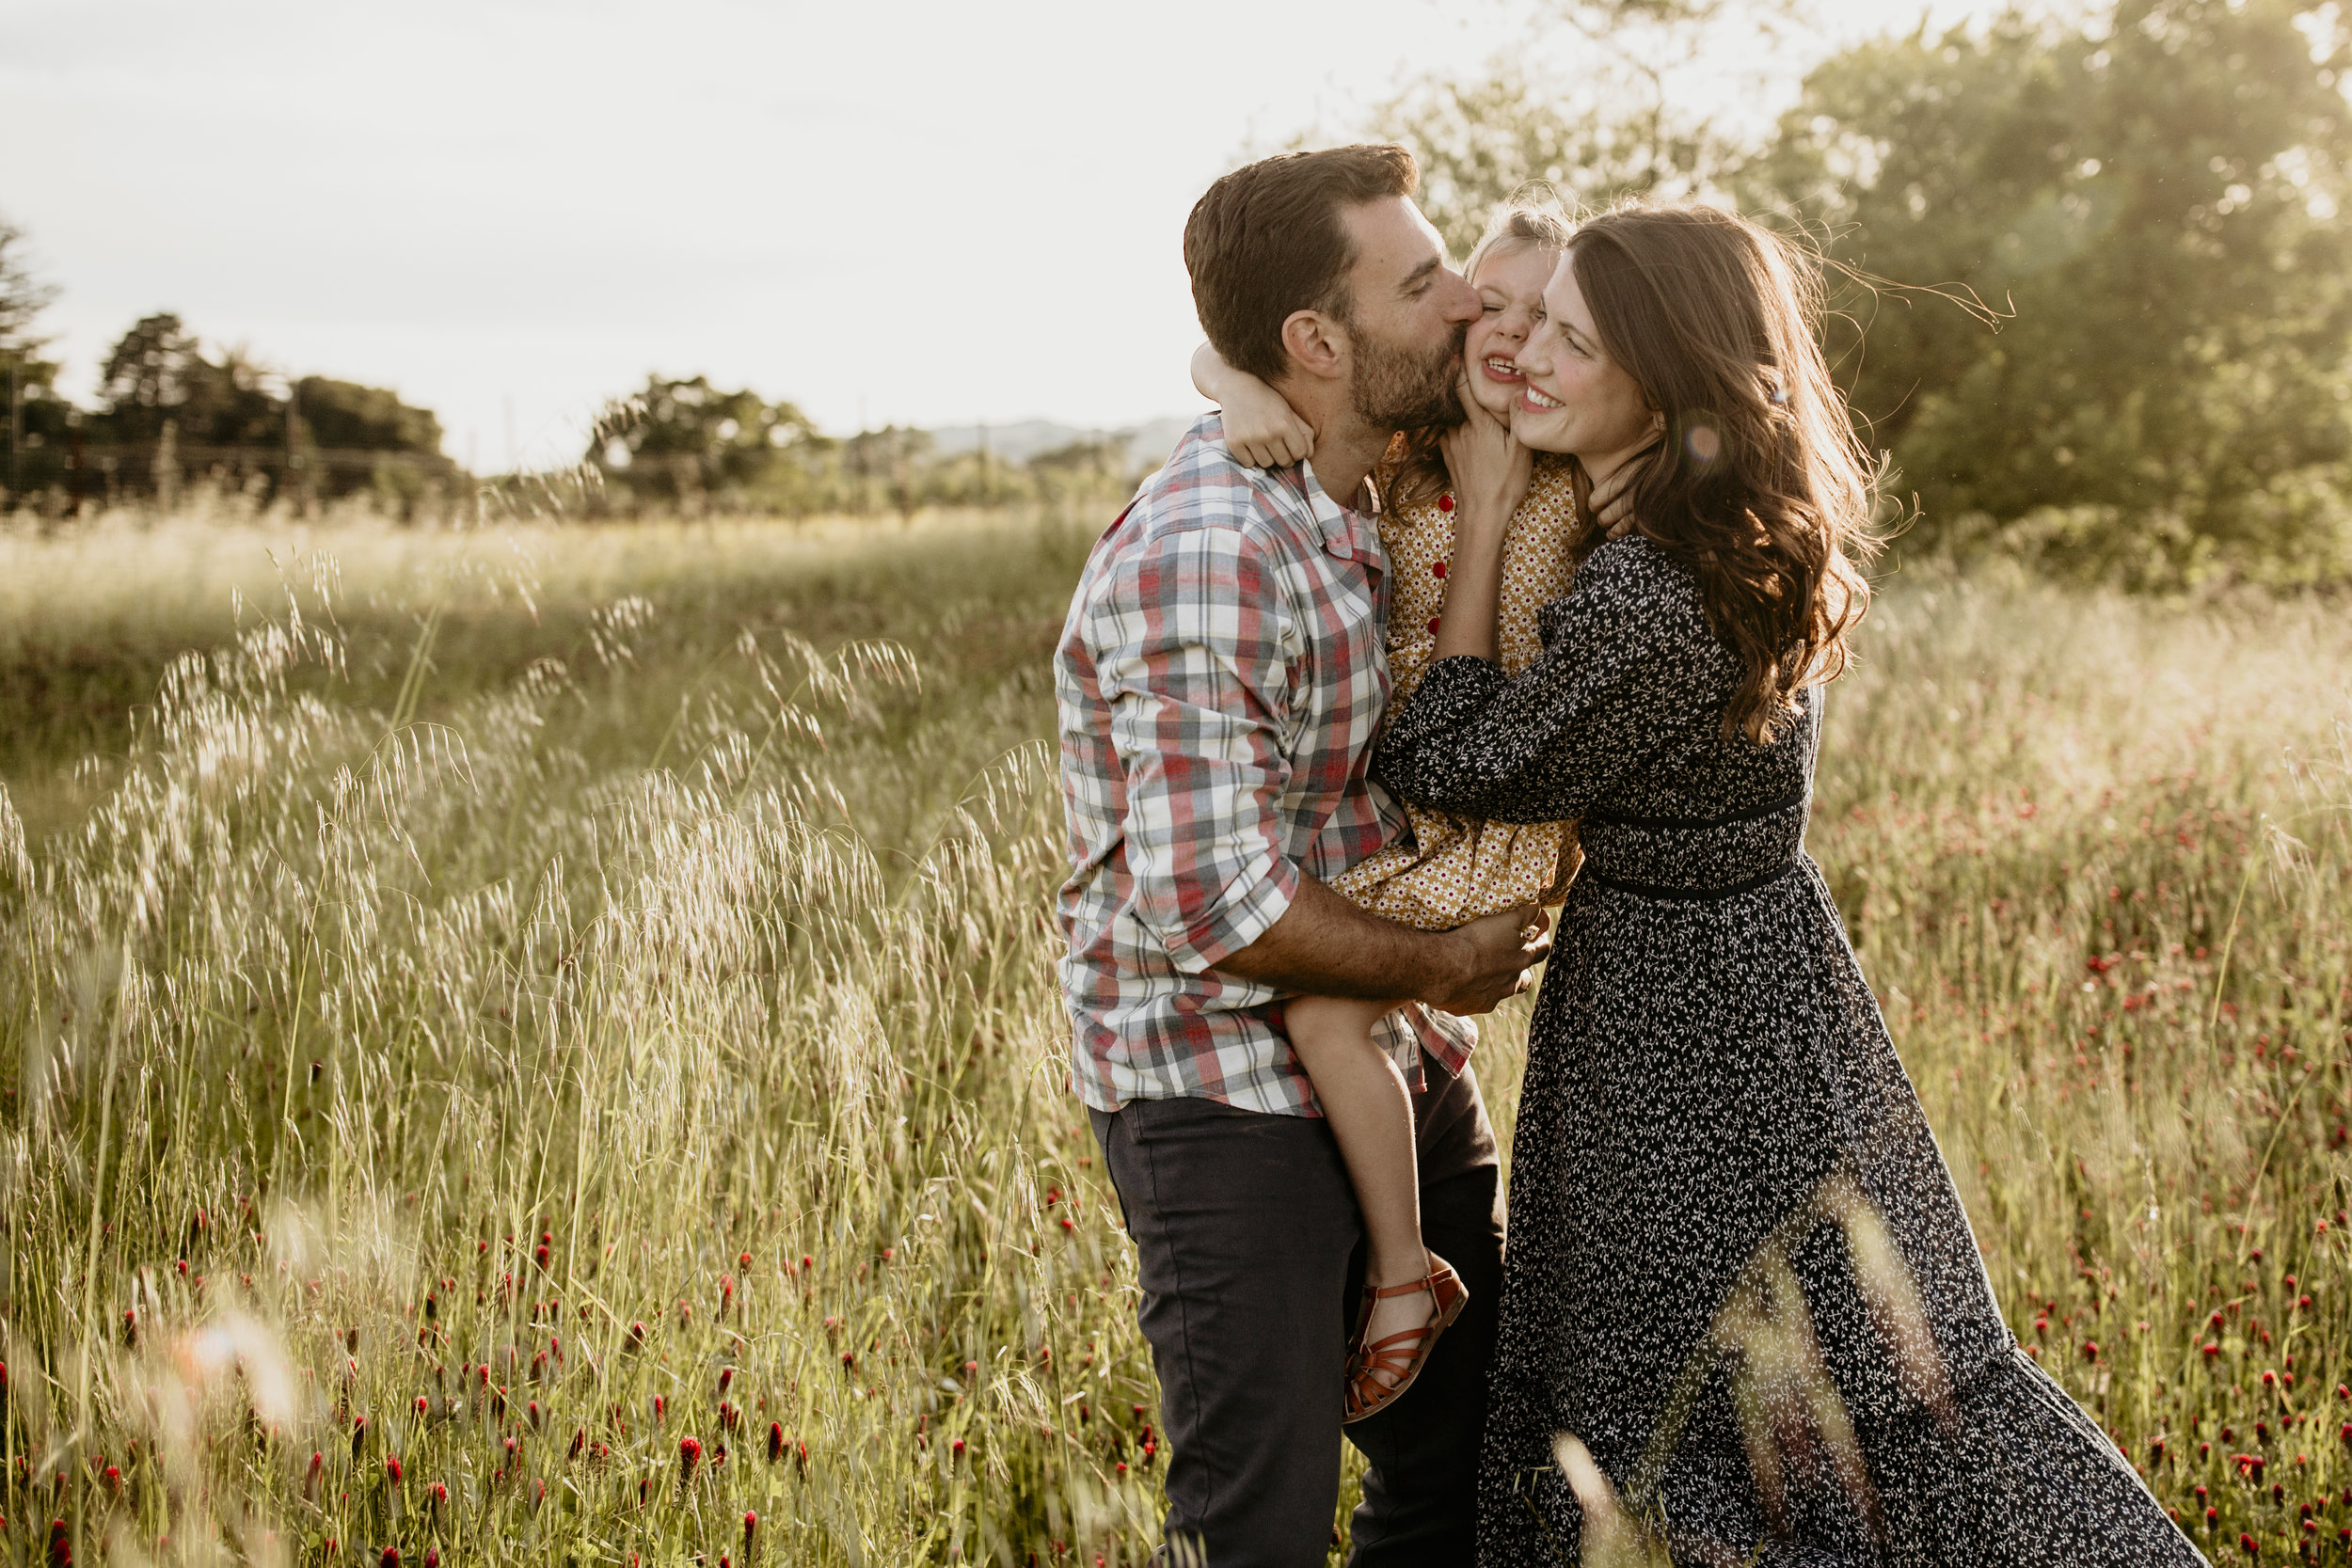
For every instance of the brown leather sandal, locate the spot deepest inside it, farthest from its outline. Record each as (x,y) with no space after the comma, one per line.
(1402,1354)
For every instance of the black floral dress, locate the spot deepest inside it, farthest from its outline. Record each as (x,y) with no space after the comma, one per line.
(1737,1269)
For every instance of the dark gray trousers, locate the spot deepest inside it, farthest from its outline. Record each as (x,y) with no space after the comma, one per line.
(1250,1255)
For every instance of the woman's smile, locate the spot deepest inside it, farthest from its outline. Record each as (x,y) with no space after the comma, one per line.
(1531,398)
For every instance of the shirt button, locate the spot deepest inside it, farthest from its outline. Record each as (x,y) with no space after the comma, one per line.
(1433,625)
(1437,569)
(1445,502)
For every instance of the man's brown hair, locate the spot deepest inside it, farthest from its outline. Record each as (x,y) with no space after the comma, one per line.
(1268,240)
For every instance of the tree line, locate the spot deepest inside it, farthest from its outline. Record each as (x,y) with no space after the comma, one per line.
(2090,289)
(169,408)
(686,445)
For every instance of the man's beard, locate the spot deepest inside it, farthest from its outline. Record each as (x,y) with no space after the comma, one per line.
(1396,388)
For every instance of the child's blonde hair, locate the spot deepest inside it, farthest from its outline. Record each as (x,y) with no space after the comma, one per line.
(1420,475)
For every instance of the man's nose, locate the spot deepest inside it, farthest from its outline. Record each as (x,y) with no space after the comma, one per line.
(1466,305)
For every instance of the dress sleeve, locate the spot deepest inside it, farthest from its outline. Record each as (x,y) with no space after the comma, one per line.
(1630,670)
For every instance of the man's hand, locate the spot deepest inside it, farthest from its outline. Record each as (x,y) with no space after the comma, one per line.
(1325,946)
(1497,956)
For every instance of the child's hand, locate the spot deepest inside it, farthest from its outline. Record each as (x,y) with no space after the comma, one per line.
(1489,470)
(1261,430)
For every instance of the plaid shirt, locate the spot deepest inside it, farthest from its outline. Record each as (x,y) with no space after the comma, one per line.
(1219,681)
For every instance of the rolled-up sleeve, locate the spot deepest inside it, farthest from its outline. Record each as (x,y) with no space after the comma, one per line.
(1190,643)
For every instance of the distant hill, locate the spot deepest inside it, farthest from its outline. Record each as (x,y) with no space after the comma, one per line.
(1146,444)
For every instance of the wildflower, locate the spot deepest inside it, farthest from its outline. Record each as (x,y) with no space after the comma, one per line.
(358,1435)
(60,1545)
(423,1405)
(580,1441)
(637,1336)
(391,1557)
(807,1263)
(661,1408)
(750,1532)
(533,1411)
(2090,1350)
(318,1460)
(391,1468)
(690,1453)
(436,1496)
(726,1375)
(775,1441)
(130,1327)
(743,1261)
(956,1449)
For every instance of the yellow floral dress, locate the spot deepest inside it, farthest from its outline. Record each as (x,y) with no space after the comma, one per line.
(1453,869)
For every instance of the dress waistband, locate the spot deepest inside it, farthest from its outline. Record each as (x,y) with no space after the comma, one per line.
(1696,860)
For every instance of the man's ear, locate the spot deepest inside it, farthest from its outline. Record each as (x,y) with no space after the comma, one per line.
(1315,345)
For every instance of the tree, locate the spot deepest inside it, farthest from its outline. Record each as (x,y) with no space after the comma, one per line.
(345,416)
(682,438)
(2161,202)
(1615,126)
(32,418)
(23,298)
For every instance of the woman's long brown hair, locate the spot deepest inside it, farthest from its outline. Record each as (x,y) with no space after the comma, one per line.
(1760,484)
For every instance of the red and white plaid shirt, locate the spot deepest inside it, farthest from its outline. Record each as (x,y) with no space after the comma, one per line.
(1219,681)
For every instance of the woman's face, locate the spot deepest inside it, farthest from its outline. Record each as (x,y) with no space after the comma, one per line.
(1510,283)
(1576,399)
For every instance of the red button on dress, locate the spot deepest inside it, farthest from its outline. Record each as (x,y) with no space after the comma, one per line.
(1433,625)
(1437,569)
(1445,502)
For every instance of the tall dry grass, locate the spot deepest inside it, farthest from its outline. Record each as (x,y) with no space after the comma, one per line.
(541,1043)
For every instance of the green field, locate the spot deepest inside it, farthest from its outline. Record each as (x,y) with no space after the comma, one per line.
(540,1044)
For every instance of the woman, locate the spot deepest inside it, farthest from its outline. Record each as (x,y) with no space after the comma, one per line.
(1737,1274)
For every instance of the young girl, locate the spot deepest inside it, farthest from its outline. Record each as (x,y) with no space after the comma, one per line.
(1450,869)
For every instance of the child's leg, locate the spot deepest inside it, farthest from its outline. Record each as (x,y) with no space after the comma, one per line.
(1370,1113)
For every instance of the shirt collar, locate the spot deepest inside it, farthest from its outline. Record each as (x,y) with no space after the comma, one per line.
(1347,533)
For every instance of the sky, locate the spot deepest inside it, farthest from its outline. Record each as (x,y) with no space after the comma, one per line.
(928,213)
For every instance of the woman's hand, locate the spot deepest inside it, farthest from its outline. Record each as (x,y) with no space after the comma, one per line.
(1612,501)
(1261,430)
(1490,471)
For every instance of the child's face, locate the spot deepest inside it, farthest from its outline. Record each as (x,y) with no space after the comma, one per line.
(1510,283)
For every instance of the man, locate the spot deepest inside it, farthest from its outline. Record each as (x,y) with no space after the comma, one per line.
(1219,681)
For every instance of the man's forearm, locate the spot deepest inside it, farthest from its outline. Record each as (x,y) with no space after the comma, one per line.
(1323,946)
